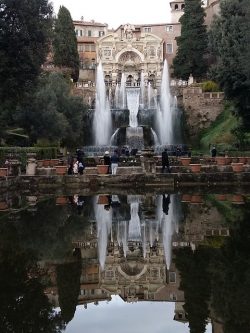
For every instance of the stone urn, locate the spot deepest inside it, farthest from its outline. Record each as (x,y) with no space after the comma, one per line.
(221,160)
(221,197)
(62,200)
(31,166)
(54,162)
(103,200)
(186,197)
(195,168)
(196,199)
(242,160)
(148,161)
(237,167)
(238,199)
(61,170)
(102,169)
(185,160)
(3,172)
(46,163)
(3,206)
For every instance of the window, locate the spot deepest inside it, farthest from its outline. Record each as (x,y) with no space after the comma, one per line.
(83,292)
(76,32)
(173,297)
(176,7)
(170,48)
(152,51)
(80,47)
(89,33)
(81,33)
(107,53)
(147,29)
(172,277)
(109,274)
(169,28)
(101,33)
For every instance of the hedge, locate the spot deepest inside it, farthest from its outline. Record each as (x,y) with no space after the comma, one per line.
(21,153)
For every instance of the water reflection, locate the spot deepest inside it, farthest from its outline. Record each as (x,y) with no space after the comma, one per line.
(68,251)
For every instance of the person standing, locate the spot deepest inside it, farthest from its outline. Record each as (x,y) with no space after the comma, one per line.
(165,161)
(114,162)
(165,203)
(107,160)
(213,152)
(80,168)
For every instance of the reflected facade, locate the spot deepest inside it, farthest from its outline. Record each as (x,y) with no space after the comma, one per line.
(143,247)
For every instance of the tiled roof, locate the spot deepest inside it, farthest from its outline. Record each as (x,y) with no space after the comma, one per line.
(91,23)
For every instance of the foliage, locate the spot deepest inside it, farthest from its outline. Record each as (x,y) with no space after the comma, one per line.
(24,307)
(231,213)
(24,31)
(52,112)
(220,131)
(230,46)
(230,274)
(68,283)
(21,153)
(65,43)
(192,44)
(195,283)
(210,86)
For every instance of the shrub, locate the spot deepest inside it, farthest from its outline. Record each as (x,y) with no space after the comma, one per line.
(210,86)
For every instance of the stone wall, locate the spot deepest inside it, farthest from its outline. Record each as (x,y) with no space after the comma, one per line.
(212,9)
(201,109)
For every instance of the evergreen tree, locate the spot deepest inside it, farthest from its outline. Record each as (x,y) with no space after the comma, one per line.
(65,43)
(68,282)
(195,283)
(230,275)
(230,44)
(192,44)
(24,31)
(52,112)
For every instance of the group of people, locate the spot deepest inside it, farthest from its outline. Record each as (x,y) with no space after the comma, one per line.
(76,166)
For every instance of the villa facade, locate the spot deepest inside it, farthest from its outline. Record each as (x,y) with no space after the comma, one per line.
(134,49)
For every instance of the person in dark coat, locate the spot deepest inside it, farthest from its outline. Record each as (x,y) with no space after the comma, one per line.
(80,155)
(213,152)
(165,161)
(165,203)
(107,160)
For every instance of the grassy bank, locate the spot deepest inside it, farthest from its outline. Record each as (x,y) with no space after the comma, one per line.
(219,133)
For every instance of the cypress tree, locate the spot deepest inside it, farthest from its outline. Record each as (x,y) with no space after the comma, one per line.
(192,44)
(65,43)
(230,44)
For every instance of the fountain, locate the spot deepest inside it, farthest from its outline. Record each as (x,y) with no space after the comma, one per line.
(150,123)
(102,115)
(165,110)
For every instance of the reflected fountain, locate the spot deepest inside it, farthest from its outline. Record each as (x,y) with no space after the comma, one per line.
(142,232)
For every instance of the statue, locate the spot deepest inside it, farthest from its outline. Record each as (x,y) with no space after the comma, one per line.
(128,30)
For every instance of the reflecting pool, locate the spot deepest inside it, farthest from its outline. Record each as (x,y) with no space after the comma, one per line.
(125,262)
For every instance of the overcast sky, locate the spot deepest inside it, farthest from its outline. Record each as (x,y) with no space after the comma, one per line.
(118,316)
(116,12)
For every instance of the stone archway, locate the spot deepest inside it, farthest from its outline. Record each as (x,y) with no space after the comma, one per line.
(132,51)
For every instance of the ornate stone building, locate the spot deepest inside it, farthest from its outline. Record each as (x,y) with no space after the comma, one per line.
(136,54)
